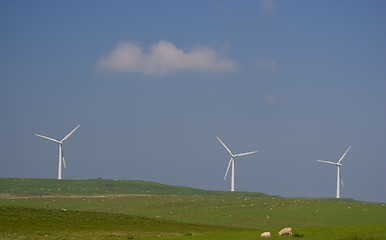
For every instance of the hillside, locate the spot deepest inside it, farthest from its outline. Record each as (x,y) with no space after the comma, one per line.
(49,187)
(244,212)
(15,223)
(79,209)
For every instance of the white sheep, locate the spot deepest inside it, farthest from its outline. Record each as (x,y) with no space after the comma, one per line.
(285,231)
(265,234)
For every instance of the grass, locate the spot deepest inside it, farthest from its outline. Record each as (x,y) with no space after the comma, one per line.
(19,222)
(49,187)
(256,213)
(93,213)
(31,223)
(375,232)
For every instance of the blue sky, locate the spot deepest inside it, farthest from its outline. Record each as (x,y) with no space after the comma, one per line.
(152,83)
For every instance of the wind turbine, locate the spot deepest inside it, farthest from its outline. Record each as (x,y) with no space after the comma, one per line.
(60,149)
(337,164)
(232,161)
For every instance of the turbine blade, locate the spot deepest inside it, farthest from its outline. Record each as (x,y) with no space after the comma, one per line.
(51,139)
(68,135)
(341,179)
(243,154)
(344,154)
(64,162)
(229,164)
(229,151)
(326,162)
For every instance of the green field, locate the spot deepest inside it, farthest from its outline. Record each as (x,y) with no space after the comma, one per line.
(108,209)
(49,187)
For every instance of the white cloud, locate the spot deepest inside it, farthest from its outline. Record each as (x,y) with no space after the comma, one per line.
(163,57)
(270,98)
(267,65)
(267,5)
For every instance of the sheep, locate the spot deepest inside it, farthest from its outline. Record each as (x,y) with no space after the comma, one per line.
(285,231)
(265,234)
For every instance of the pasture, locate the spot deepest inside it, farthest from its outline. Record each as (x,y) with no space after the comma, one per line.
(49,187)
(185,214)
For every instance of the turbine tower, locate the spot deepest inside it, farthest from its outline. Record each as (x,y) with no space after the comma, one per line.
(61,158)
(232,161)
(338,178)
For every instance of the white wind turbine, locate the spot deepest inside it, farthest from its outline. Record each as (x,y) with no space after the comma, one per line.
(60,150)
(232,161)
(337,164)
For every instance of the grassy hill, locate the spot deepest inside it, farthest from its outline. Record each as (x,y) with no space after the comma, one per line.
(33,207)
(30,223)
(47,187)
(244,212)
